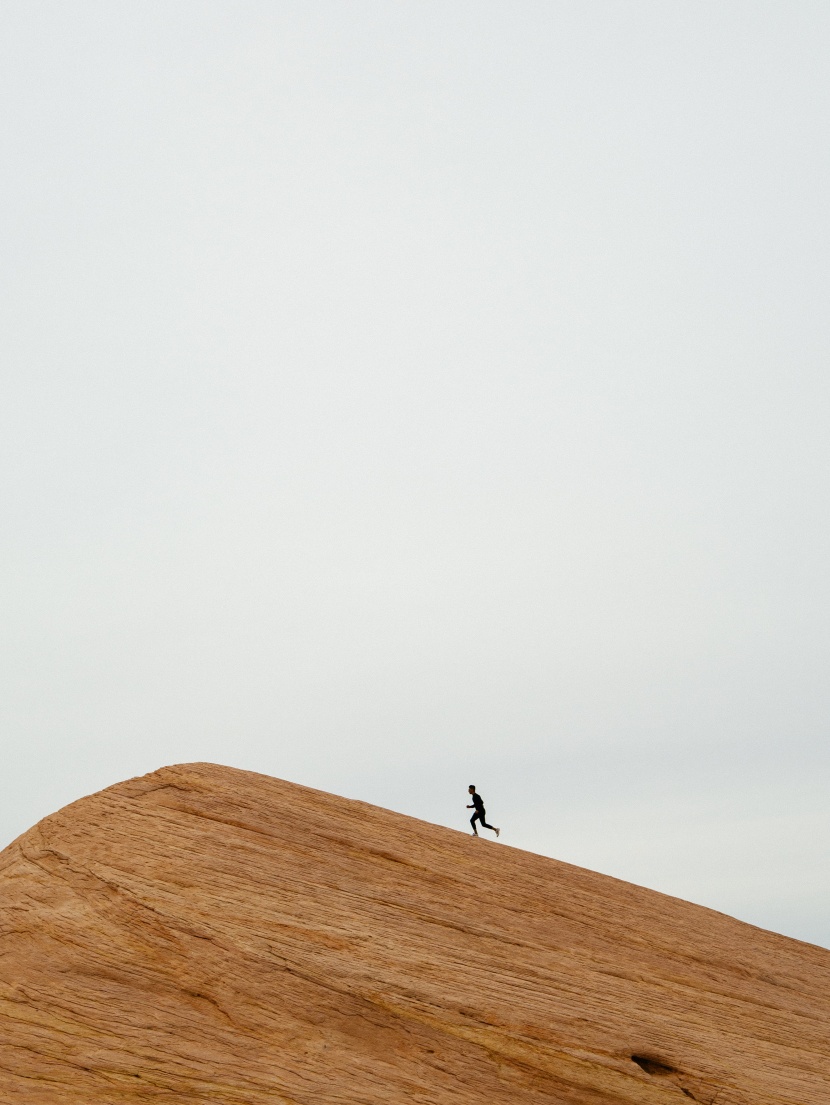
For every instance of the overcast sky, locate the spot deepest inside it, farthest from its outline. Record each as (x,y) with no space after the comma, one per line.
(398,395)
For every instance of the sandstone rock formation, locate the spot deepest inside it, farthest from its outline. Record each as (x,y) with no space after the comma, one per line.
(214,936)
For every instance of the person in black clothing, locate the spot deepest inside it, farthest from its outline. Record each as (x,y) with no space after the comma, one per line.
(478,806)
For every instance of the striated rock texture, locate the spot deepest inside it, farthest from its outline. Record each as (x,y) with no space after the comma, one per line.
(209,935)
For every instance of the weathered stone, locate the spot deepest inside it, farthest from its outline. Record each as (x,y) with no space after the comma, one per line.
(209,935)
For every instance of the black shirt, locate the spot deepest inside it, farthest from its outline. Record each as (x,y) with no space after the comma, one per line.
(478,802)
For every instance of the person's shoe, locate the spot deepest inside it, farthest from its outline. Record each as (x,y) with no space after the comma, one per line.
(497,833)
(475,834)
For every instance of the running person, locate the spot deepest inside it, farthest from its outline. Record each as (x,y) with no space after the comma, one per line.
(478,806)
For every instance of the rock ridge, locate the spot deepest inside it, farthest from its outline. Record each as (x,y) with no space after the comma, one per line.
(208,935)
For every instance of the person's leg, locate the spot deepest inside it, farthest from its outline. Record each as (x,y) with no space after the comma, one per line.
(473,820)
(484,824)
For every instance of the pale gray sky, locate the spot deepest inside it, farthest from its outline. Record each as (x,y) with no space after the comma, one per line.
(403,395)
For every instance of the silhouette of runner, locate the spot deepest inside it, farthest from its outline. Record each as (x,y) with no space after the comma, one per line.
(478,806)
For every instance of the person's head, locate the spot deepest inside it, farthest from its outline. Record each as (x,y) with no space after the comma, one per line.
(471,789)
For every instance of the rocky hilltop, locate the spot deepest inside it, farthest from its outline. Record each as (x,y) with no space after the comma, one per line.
(209,935)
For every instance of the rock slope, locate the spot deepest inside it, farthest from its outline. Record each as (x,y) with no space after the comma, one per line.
(209,935)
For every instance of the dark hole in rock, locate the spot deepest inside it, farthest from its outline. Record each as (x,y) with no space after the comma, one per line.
(652,1066)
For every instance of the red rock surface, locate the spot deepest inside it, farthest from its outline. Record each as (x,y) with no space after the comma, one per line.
(209,935)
